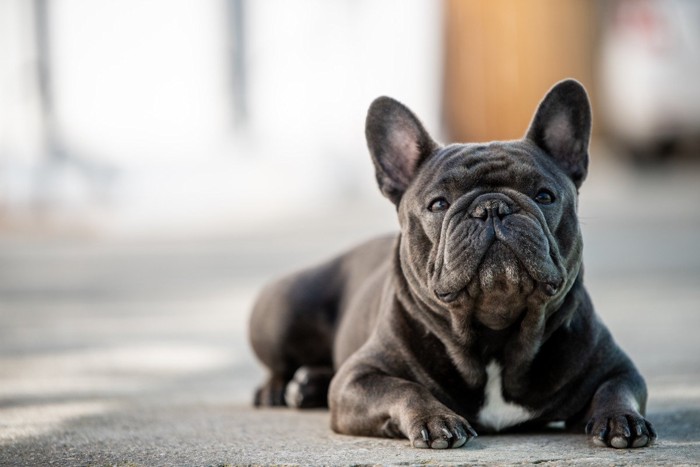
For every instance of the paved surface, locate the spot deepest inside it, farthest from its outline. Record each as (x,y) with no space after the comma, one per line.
(135,352)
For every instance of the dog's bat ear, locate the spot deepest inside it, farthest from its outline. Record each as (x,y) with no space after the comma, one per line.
(562,127)
(398,144)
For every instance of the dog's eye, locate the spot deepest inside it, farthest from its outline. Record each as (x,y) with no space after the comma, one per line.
(439,204)
(544,196)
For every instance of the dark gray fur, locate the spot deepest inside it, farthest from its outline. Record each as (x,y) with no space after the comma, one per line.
(486,270)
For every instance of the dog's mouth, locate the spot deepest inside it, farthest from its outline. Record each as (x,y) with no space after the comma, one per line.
(501,279)
(500,289)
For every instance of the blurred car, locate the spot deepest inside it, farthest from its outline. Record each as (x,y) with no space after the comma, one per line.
(650,75)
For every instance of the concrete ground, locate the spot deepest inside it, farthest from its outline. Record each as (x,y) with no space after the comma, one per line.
(123,352)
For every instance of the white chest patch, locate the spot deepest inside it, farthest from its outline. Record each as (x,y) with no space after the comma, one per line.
(496,413)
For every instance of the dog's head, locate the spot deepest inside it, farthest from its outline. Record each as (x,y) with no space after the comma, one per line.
(489,228)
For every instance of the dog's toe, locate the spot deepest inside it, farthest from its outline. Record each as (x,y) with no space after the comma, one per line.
(621,430)
(441,432)
(309,387)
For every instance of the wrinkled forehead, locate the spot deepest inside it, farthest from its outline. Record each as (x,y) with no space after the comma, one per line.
(491,165)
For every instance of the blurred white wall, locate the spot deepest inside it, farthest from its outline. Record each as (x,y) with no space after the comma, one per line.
(140,83)
(143,114)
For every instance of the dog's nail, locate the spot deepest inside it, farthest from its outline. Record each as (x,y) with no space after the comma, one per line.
(652,431)
(601,434)
(461,433)
(447,433)
(425,435)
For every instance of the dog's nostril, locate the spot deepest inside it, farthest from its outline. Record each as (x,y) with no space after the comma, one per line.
(491,208)
(503,210)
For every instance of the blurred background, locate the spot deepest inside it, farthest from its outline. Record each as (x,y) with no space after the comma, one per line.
(182,117)
(160,160)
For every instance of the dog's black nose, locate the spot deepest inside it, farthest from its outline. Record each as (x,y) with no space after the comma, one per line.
(491,206)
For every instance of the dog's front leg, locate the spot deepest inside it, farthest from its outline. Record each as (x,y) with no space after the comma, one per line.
(366,401)
(616,415)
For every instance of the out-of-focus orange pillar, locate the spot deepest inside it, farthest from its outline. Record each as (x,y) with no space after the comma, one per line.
(503,55)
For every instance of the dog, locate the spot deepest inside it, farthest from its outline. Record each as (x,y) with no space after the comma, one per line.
(475,316)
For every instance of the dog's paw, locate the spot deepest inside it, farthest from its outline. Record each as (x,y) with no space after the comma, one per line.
(620,430)
(309,387)
(270,394)
(440,432)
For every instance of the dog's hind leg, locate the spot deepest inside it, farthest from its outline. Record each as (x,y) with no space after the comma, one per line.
(292,326)
(271,393)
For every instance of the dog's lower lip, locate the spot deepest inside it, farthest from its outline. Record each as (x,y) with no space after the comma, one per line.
(551,288)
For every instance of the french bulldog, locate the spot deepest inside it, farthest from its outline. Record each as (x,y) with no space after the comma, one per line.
(475,316)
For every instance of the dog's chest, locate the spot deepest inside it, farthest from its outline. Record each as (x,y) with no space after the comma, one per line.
(497,414)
